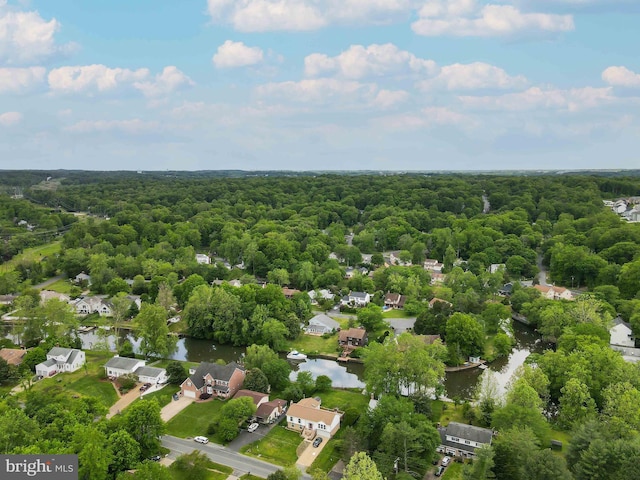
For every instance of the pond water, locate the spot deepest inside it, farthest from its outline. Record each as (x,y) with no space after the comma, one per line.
(350,375)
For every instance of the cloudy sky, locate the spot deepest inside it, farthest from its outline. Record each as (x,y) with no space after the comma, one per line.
(319,84)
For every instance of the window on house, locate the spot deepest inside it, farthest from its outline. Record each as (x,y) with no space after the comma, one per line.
(291,419)
(455,439)
(467,442)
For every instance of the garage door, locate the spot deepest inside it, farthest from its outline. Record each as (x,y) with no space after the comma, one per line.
(189,394)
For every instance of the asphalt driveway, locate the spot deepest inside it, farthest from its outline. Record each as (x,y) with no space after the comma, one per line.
(245,438)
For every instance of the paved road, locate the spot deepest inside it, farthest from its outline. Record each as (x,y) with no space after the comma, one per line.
(219,454)
(542,275)
(46,283)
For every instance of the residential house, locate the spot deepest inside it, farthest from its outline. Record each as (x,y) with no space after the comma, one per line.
(356,299)
(308,418)
(435,300)
(394,300)
(289,292)
(353,337)
(323,294)
(461,440)
(61,360)
(83,277)
(554,293)
(13,356)
(46,295)
(429,339)
(203,259)
(496,267)
(433,265)
(621,334)
(437,278)
(118,366)
(394,259)
(258,398)
(506,289)
(350,272)
(7,299)
(321,324)
(153,375)
(92,304)
(213,379)
(269,412)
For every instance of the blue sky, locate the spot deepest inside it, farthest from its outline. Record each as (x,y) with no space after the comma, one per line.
(319,84)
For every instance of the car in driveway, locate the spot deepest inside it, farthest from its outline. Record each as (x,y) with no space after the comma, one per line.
(200,439)
(439,471)
(253,427)
(317,442)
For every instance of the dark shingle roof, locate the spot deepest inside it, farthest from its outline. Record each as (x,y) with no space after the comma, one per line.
(469,432)
(218,372)
(57,351)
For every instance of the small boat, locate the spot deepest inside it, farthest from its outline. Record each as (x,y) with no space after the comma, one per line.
(482,367)
(296,355)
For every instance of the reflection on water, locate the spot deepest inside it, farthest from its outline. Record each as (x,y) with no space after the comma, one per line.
(342,375)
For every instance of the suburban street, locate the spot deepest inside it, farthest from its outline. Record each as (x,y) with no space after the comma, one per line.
(219,454)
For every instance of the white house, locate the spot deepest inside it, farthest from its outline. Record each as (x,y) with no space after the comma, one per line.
(310,420)
(46,295)
(495,267)
(61,360)
(153,375)
(83,277)
(323,294)
(433,265)
(459,439)
(554,293)
(621,334)
(93,304)
(358,299)
(118,366)
(321,324)
(203,259)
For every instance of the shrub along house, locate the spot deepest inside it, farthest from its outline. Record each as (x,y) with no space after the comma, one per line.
(211,379)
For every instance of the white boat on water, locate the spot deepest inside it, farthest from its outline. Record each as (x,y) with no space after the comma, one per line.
(296,355)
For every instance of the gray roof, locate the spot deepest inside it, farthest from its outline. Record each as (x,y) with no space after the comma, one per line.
(49,363)
(154,372)
(72,357)
(322,319)
(469,432)
(218,372)
(57,351)
(358,294)
(123,363)
(619,321)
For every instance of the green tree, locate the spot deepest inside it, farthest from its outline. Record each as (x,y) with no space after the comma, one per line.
(176,372)
(125,451)
(274,334)
(481,468)
(464,334)
(256,381)
(148,471)
(154,332)
(370,317)
(7,372)
(144,424)
(323,383)
(502,344)
(306,383)
(194,465)
(257,356)
(361,467)
(116,285)
(277,371)
(576,404)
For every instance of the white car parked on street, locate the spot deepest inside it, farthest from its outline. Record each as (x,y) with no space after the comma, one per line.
(201,439)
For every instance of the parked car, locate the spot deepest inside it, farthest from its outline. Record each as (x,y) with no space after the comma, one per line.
(200,439)
(205,396)
(253,427)
(317,442)
(155,458)
(445,461)
(439,471)
(176,397)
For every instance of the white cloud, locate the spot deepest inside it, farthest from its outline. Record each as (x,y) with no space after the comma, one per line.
(318,90)
(170,80)
(389,98)
(91,79)
(473,76)
(425,118)
(621,77)
(17,80)
(373,61)
(300,15)
(236,54)
(536,98)
(468,18)
(134,126)
(26,37)
(9,119)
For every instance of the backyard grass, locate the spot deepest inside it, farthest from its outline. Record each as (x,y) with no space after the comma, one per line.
(344,399)
(91,386)
(563,437)
(329,455)
(163,396)
(452,413)
(278,447)
(35,254)
(311,344)
(248,476)
(61,286)
(195,419)
(393,313)
(216,472)
(453,471)
(164,362)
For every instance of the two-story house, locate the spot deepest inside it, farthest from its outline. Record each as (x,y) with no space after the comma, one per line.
(92,304)
(61,360)
(459,439)
(212,379)
(356,299)
(394,300)
(308,418)
(433,265)
(353,337)
(621,334)
(554,293)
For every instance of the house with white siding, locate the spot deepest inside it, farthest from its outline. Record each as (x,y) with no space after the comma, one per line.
(61,360)
(461,440)
(308,418)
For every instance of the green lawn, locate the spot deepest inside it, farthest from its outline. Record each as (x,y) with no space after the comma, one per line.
(278,447)
(395,314)
(163,363)
(163,396)
(195,419)
(329,455)
(343,399)
(216,472)
(451,414)
(248,476)
(562,436)
(92,386)
(453,471)
(61,286)
(311,344)
(35,254)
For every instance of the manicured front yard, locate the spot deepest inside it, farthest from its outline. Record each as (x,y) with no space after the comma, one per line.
(163,396)
(278,447)
(91,386)
(61,286)
(329,455)
(195,419)
(393,313)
